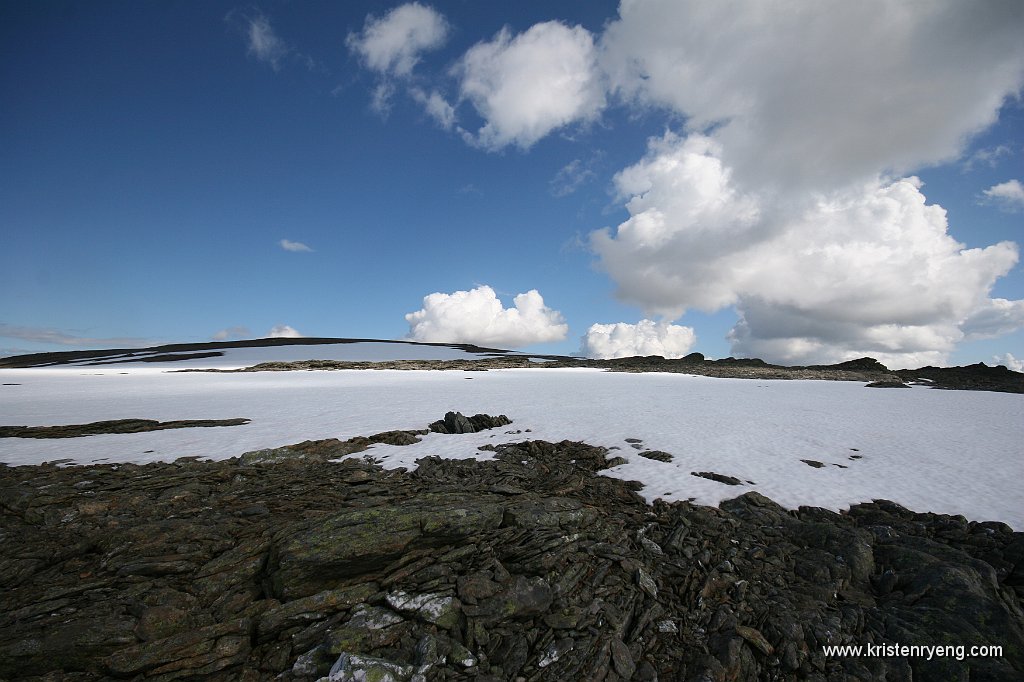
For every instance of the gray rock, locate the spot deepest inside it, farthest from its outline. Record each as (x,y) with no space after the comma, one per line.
(356,668)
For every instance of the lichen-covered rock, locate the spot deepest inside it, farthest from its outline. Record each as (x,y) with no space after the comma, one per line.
(361,541)
(204,649)
(313,608)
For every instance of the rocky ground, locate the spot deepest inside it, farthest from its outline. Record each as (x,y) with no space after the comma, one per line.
(282,564)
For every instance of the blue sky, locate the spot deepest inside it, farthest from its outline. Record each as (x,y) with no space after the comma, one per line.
(156,155)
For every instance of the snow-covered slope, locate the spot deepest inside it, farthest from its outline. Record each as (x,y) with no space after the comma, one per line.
(953,452)
(235,354)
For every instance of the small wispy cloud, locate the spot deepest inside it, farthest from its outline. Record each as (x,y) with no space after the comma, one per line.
(391,47)
(1008,195)
(988,156)
(436,106)
(283,331)
(570,178)
(295,247)
(63,338)
(231,333)
(263,43)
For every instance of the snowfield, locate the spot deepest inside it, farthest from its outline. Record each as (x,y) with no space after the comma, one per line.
(952,452)
(232,357)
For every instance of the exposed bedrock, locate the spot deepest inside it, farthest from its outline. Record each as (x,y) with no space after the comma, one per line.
(284,563)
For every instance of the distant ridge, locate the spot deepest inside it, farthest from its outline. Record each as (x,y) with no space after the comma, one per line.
(183,351)
(977,377)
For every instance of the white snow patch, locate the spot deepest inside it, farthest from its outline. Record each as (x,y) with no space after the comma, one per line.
(953,452)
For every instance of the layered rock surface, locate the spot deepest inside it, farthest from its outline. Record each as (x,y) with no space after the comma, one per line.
(283,564)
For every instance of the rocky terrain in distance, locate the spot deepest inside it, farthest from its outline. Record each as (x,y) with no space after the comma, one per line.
(979,377)
(112,426)
(283,564)
(972,377)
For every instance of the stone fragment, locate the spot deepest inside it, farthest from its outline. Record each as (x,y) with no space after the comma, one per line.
(441,610)
(308,609)
(358,668)
(622,660)
(755,637)
(646,583)
(721,478)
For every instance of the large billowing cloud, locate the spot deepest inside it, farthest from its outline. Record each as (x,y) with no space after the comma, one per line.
(646,337)
(477,316)
(821,93)
(869,270)
(779,197)
(783,193)
(526,86)
(685,218)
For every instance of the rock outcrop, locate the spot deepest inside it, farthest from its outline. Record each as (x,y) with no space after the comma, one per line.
(112,426)
(286,565)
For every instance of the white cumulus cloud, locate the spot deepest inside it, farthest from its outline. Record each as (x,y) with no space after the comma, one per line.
(392,44)
(296,247)
(283,331)
(527,85)
(685,217)
(477,316)
(646,337)
(1007,195)
(869,270)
